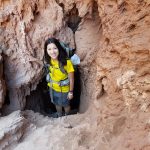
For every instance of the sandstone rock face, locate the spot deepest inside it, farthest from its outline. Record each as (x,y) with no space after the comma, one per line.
(123,72)
(112,39)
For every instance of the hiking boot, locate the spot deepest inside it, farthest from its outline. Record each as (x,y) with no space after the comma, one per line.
(59,115)
(56,115)
(66,114)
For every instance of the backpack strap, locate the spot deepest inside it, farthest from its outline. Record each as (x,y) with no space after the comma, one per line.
(62,69)
(46,67)
(69,50)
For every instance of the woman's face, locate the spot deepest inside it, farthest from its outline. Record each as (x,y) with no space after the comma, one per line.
(52,51)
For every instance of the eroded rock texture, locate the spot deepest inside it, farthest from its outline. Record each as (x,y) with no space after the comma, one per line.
(123,74)
(113,40)
(13,128)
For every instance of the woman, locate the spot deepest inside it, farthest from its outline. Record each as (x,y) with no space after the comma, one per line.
(61,75)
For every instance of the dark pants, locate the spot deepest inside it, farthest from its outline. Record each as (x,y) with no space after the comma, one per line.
(59,98)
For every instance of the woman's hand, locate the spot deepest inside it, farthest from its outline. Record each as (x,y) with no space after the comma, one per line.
(70,95)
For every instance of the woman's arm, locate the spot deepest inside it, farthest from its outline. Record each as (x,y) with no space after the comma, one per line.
(71,87)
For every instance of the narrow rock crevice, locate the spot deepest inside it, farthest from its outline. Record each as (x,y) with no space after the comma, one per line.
(2,84)
(72,19)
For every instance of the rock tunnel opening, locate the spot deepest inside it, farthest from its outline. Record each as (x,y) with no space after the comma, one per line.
(39,99)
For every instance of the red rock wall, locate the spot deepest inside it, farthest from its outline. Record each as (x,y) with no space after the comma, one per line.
(123,74)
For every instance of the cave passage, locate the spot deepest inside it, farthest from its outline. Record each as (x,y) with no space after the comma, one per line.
(39,99)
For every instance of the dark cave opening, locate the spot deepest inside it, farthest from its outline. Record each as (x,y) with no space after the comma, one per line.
(39,99)
(7,100)
(73,19)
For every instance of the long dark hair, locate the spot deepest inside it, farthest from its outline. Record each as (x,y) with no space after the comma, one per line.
(62,56)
